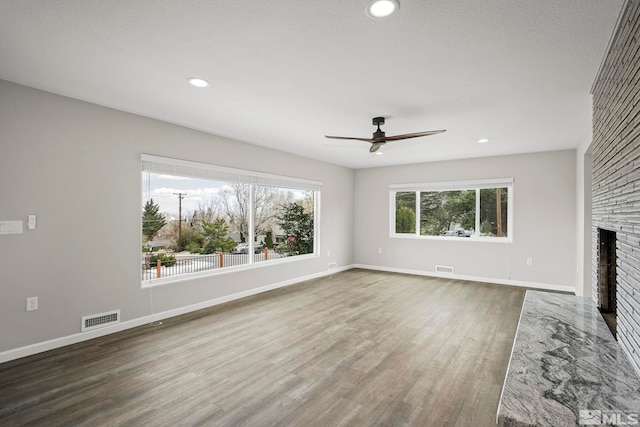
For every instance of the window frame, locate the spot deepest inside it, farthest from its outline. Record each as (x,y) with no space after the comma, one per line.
(476,185)
(178,167)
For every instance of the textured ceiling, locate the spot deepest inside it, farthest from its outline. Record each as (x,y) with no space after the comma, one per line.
(285,73)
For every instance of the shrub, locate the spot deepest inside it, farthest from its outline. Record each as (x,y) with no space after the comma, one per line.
(190,236)
(166,260)
(194,248)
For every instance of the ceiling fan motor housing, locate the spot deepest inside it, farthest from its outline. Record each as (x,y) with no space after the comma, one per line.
(377,121)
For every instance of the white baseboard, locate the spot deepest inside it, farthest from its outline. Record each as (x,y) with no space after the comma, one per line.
(40,347)
(509,282)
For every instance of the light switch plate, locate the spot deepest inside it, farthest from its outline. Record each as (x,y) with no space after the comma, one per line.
(32,222)
(11,227)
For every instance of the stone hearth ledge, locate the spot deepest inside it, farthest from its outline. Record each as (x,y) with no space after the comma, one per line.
(564,360)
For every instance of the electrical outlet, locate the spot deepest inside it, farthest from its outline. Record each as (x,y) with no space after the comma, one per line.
(380,251)
(32,303)
(529,261)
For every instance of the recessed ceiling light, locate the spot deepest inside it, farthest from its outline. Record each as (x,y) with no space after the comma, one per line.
(198,82)
(382,8)
(483,140)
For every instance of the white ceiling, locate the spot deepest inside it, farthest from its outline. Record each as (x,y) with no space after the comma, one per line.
(284,73)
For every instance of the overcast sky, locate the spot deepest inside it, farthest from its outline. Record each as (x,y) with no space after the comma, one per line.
(163,188)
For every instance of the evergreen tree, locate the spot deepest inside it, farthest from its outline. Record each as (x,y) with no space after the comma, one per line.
(152,219)
(268,240)
(405,220)
(298,225)
(215,233)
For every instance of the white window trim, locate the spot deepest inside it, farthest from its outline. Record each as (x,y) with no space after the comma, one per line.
(170,166)
(451,186)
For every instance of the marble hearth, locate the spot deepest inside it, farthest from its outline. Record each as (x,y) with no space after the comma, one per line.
(565,360)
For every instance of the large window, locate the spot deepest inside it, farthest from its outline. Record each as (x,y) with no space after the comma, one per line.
(476,210)
(200,219)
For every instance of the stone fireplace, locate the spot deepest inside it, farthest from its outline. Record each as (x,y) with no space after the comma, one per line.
(615,198)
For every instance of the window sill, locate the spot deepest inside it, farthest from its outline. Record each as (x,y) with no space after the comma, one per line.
(202,274)
(454,238)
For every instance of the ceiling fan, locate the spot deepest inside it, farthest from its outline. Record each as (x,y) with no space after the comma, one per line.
(379,138)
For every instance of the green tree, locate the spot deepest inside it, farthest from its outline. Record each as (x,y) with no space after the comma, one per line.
(405,220)
(406,212)
(432,216)
(152,219)
(190,239)
(461,208)
(215,233)
(442,210)
(298,226)
(268,239)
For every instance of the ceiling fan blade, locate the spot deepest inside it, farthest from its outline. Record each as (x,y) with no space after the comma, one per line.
(410,135)
(349,137)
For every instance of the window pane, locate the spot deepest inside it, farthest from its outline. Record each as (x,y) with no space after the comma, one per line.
(191,225)
(406,212)
(493,212)
(283,222)
(447,213)
(201,218)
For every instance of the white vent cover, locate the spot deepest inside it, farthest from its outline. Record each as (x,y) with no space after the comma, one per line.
(444,269)
(101,320)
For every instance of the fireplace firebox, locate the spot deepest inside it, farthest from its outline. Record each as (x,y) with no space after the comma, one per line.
(607,277)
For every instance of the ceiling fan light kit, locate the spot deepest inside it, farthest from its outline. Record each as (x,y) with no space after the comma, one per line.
(379,137)
(380,9)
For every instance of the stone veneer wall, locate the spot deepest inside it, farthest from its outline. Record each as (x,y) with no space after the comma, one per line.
(616,171)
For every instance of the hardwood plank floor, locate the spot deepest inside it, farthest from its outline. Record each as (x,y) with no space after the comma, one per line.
(358,348)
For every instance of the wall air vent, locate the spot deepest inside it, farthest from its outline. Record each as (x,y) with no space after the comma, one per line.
(101,320)
(444,269)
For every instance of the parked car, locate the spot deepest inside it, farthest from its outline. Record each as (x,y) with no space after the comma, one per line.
(458,233)
(243,248)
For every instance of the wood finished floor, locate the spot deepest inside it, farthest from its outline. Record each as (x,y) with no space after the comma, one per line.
(359,348)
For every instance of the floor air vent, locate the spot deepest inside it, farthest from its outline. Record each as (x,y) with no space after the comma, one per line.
(443,269)
(101,320)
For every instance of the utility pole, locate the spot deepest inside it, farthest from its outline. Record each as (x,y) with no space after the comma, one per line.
(180,197)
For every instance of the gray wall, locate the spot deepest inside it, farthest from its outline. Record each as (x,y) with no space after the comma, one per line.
(544,220)
(77,166)
(616,172)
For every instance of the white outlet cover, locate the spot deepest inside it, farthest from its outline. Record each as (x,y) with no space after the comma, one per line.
(32,303)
